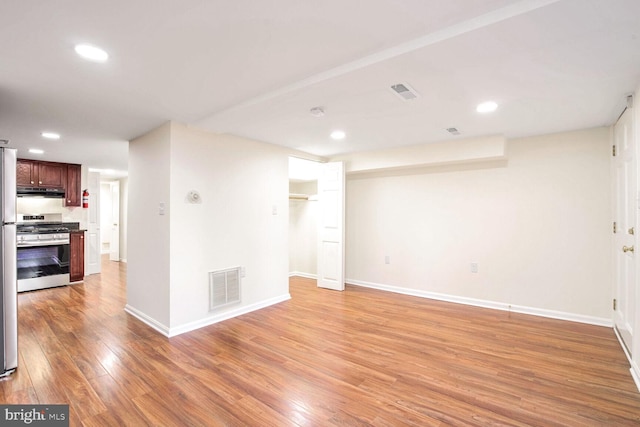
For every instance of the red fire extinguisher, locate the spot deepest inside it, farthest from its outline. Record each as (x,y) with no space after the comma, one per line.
(85,199)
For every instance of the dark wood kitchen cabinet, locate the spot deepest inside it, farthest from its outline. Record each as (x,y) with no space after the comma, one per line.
(72,194)
(52,175)
(76,259)
(33,173)
(27,173)
(66,176)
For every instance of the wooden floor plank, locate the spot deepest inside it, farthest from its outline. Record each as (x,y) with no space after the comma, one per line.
(358,357)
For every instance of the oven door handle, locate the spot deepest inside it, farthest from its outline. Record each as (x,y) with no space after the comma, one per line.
(43,243)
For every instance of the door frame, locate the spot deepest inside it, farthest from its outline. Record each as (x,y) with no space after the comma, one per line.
(625,212)
(114,239)
(93,246)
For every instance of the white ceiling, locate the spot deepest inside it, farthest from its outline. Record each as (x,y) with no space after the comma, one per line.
(255,68)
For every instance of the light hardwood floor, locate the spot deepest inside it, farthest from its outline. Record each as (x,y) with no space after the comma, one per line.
(360,357)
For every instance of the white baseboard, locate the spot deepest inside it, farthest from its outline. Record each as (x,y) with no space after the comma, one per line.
(226,315)
(487,304)
(172,332)
(635,374)
(149,321)
(301,274)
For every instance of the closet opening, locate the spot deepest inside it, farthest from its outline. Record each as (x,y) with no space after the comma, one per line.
(303,214)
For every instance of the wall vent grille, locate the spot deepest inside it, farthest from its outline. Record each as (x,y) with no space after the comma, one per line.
(224,288)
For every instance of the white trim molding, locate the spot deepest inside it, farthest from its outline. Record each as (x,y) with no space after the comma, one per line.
(187,327)
(486,304)
(149,321)
(635,374)
(301,274)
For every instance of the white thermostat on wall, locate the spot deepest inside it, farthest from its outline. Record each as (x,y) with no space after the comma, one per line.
(194,197)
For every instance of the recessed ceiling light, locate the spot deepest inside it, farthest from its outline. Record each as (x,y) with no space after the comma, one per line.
(486,107)
(338,134)
(91,53)
(36,151)
(50,135)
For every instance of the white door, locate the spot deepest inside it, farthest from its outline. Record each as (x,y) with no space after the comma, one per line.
(331,226)
(114,238)
(626,204)
(92,241)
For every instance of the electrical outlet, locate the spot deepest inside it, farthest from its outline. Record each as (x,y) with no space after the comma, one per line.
(387,259)
(474,267)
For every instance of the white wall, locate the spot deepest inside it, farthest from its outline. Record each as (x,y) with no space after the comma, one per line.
(148,277)
(303,231)
(241,220)
(537,227)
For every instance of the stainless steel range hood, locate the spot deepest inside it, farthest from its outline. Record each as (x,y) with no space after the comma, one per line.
(52,193)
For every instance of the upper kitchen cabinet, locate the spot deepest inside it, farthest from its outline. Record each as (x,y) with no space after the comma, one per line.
(27,173)
(32,173)
(72,189)
(50,175)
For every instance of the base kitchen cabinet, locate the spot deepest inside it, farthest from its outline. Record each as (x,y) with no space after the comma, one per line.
(76,261)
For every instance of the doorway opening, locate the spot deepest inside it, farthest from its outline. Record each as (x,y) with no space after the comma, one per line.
(110,219)
(316,219)
(303,213)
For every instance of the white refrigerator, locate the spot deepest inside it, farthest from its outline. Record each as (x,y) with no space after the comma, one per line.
(8,263)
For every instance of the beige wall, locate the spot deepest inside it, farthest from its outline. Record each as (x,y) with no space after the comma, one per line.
(437,154)
(536,225)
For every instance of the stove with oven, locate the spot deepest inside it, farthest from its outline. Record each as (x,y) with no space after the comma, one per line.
(43,251)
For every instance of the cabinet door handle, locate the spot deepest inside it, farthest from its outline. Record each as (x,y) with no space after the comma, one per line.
(32,182)
(39,182)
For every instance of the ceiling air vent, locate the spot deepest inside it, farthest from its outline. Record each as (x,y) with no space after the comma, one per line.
(404,91)
(453,131)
